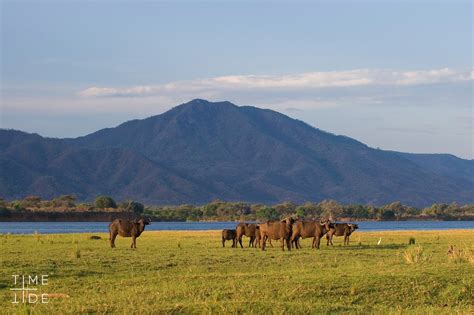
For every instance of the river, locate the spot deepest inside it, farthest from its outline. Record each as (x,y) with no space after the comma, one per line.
(95,227)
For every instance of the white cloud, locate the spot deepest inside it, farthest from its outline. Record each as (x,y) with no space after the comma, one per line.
(296,82)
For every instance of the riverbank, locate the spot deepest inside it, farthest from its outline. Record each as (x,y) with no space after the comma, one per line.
(108,216)
(190,272)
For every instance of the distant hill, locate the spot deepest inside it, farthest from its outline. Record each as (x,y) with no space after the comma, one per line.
(200,151)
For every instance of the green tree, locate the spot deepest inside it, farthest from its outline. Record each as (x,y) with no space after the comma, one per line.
(267,213)
(397,208)
(104,202)
(331,209)
(32,202)
(301,212)
(210,210)
(242,208)
(285,208)
(388,214)
(132,206)
(66,201)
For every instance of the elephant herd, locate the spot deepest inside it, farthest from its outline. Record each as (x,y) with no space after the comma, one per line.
(288,231)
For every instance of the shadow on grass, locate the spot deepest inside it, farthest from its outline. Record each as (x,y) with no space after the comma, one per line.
(372,247)
(85,273)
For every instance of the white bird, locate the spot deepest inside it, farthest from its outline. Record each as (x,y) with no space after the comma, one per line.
(380,241)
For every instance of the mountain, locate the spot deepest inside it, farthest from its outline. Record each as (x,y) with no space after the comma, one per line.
(200,151)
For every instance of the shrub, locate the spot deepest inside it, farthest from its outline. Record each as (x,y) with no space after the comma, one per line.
(416,255)
(267,213)
(459,255)
(133,206)
(411,241)
(103,202)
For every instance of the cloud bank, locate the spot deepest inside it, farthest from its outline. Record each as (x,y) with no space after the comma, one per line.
(291,83)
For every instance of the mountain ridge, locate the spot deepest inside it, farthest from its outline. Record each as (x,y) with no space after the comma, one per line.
(199,151)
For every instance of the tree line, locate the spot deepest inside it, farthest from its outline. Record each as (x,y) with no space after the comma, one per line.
(222,210)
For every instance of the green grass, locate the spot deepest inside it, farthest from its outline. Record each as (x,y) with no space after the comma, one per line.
(189,272)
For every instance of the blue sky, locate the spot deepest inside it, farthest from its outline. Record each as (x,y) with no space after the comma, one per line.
(396,75)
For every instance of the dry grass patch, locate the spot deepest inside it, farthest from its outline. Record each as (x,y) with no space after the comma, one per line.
(416,255)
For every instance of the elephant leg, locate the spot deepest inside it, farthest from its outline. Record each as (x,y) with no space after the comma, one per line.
(223,242)
(240,242)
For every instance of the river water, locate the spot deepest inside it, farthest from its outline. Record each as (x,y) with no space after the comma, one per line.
(94,227)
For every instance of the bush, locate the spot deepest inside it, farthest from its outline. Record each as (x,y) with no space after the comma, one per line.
(416,255)
(267,213)
(65,201)
(458,255)
(103,202)
(133,206)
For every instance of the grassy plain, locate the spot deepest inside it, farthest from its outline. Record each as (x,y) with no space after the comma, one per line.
(189,272)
